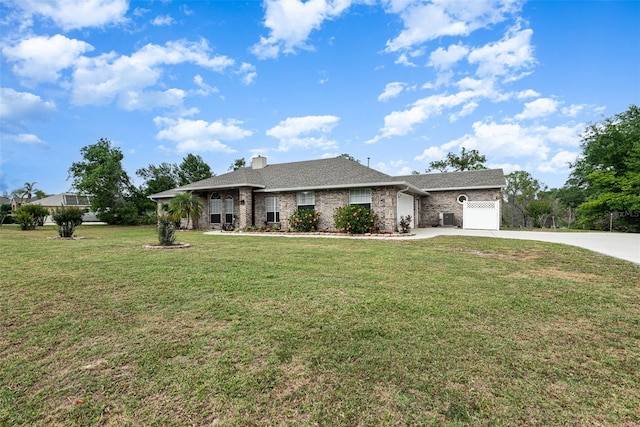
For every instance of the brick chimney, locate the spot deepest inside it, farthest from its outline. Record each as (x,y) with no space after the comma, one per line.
(258,162)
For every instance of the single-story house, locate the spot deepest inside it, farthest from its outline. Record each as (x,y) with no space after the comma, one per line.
(263,194)
(67,199)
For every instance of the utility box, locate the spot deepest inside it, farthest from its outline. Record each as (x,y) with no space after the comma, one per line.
(447,219)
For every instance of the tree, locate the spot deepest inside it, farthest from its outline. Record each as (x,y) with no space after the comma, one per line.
(540,209)
(40,194)
(521,190)
(158,178)
(467,160)
(67,218)
(5,213)
(30,216)
(28,190)
(186,205)
(193,169)
(609,170)
(349,157)
(237,164)
(101,175)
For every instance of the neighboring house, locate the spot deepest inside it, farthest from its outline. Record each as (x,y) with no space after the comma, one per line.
(263,194)
(70,200)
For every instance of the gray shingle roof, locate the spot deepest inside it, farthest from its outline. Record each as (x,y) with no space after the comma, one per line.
(484,178)
(336,172)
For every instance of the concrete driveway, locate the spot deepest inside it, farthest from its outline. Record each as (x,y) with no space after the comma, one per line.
(625,246)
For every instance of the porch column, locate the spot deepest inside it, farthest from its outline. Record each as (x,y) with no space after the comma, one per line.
(246,203)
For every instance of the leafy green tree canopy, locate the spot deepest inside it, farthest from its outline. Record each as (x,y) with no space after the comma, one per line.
(467,160)
(609,168)
(193,169)
(101,175)
(521,190)
(158,178)
(238,163)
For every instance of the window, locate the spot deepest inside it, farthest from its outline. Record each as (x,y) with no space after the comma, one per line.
(215,208)
(228,209)
(306,199)
(462,198)
(360,197)
(273,209)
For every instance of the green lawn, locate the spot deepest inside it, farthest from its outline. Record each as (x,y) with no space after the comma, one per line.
(250,330)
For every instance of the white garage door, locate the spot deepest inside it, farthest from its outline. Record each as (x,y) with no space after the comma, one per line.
(405,207)
(481,215)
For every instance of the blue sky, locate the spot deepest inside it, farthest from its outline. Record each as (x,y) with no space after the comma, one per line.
(396,83)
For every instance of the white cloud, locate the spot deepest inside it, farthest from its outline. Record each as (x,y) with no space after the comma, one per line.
(541,107)
(567,134)
(506,167)
(529,93)
(428,21)
(293,132)
(140,11)
(248,73)
(399,123)
(148,100)
(76,14)
(101,79)
(573,110)
(505,57)
(466,110)
(560,163)
(512,140)
(20,106)
(162,21)
(42,58)
(403,59)
(391,90)
(444,59)
(290,23)
(431,153)
(507,140)
(205,89)
(200,135)
(26,138)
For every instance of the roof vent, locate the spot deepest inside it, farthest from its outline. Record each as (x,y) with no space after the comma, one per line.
(258,162)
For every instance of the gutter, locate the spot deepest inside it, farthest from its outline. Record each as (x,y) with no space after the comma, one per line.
(341,186)
(479,187)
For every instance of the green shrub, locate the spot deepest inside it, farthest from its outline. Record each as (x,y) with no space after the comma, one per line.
(37,212)
(304,220)
(355,219)
(25,220)
(67,218)
(166,230)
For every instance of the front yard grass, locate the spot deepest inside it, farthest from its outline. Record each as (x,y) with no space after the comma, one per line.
(249,330)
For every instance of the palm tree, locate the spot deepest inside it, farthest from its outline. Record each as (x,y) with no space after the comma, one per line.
(28,190)
(186,205)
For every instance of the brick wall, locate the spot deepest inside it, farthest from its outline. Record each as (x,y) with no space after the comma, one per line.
(447,201)
(383,202)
